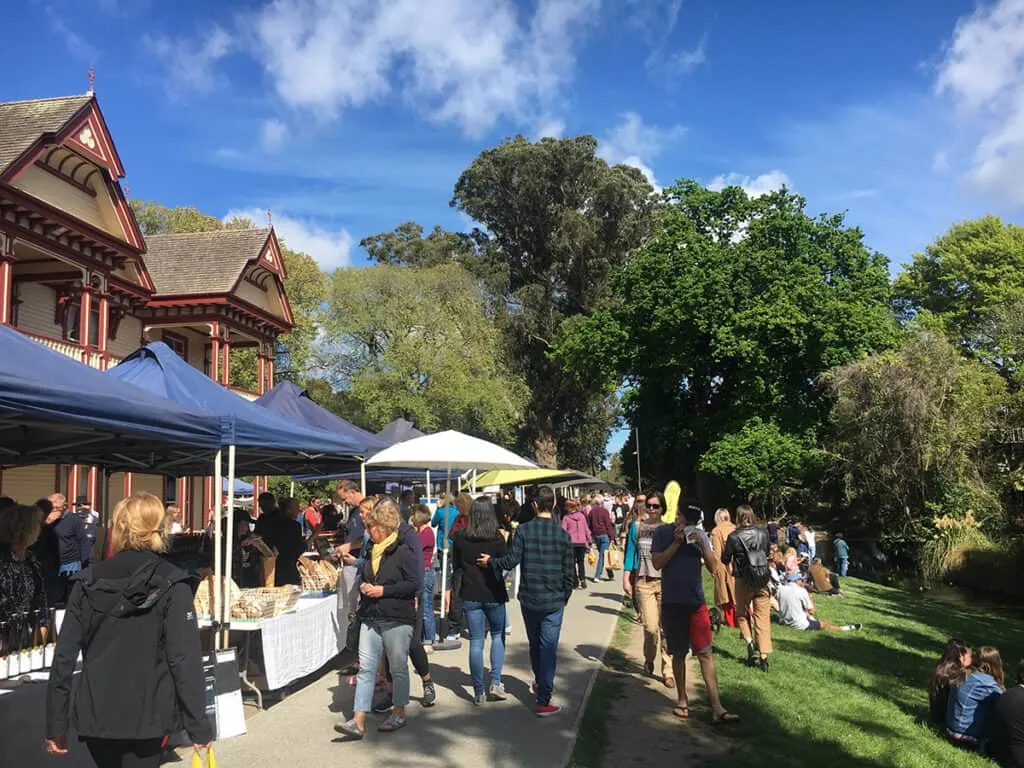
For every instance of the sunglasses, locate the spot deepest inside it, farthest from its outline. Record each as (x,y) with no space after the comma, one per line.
(654,506)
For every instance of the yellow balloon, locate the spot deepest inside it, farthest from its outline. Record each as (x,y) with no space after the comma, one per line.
(672,493)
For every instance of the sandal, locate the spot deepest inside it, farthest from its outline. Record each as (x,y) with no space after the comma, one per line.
(349,728)
(725,718)
(393,723)
(683,713)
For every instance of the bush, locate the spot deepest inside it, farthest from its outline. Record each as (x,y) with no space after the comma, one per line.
(963,556)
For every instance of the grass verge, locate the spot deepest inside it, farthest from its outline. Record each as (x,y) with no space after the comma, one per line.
(855,699)
(592,737)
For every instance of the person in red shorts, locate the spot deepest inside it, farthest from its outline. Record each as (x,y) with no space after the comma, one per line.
(677,550)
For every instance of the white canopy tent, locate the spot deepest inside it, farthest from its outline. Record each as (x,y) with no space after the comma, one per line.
(444,450)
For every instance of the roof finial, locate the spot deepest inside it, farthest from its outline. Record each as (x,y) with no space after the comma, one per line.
(270,218)
(92,81)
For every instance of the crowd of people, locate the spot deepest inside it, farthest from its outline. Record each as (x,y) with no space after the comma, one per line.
(970,702)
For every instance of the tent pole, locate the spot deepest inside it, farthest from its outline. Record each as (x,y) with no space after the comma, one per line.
(217,582)
(444,543)
(473,483)
(291,489)
(362,478)
(428,486)
(104,510)
(226,621)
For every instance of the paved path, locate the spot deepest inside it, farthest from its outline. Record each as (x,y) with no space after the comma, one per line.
(455,732)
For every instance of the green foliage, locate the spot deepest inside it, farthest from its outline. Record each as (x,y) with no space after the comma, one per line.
(763,461)
(946,551)
(967,277)
(407,246)
(910,437)
(283,487)
(156,219)
(730,312)
(416,343)
(556,222)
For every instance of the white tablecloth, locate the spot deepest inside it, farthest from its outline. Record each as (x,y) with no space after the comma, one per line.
(299,643)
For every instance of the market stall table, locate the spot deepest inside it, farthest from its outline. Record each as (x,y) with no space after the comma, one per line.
(295,644)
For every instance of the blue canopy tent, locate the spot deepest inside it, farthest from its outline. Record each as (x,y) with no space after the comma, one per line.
(257,440)
(54,409)
(241,487)
(292,402)
(398,431)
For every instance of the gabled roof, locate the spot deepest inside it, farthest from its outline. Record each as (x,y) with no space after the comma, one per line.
(202,262)
(22,123)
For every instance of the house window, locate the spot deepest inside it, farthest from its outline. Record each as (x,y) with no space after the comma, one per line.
(15,303)
(208,360)
(178,343)
(72,324)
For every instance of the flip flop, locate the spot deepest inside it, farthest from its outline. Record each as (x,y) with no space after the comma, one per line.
(683,713)
(725,718)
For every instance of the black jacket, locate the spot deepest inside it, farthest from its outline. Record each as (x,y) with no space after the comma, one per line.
(285,535)
(132,618)
(401,575)
(72,544)
(484,585)
(747,550)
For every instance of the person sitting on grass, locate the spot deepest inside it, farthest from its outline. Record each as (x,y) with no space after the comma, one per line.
(822,580)
(956,657)
(797,610)
(1007,745)
(973,698)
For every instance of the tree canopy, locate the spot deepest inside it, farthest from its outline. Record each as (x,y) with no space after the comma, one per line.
(556,221)
(729,313)
(416,343)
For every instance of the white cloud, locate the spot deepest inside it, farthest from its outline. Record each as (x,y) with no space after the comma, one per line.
(550,128)
(272,134)
(632,142)
(192,63)
(471,62)
(681,62)
(983,73)
(331,249)
(754,186)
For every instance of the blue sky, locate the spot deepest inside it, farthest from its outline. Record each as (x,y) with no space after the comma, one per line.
(347,117)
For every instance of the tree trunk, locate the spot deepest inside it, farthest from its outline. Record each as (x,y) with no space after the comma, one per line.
(545,449)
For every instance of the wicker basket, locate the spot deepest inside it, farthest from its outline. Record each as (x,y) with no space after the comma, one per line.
(264,603)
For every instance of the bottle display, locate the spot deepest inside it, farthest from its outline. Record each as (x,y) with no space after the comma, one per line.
(26,644)
(36,652)
(51,639)
(4,657)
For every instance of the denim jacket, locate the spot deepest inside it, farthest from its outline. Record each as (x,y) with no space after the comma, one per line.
(970,705)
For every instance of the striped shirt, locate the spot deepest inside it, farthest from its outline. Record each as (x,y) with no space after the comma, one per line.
(544,553)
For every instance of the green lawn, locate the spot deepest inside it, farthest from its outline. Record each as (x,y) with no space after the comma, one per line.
(854,699)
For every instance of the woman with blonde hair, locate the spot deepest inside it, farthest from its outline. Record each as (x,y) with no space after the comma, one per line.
(387,615)
(725,584)
(132,619)
(22,587)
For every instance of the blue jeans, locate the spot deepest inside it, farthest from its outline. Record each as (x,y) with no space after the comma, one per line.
(484,617)
(427,604)
(602,542)
(374,640)
(844,562)
(543,630)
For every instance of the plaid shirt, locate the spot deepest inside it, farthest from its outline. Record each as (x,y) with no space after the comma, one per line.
(544,552)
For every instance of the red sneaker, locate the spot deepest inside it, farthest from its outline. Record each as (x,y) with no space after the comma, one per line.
(546,710)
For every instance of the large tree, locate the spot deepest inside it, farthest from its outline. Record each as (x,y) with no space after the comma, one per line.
(556,221)
(719,326)
(416,343)
(968,278)
(305,286)
(911,430)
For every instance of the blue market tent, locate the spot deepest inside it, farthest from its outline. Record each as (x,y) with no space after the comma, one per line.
(54,409)
(398,431)
(292,402)
(264,442)
(242,488)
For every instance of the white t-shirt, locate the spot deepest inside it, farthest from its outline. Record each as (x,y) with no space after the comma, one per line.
(812,545)
(794,602)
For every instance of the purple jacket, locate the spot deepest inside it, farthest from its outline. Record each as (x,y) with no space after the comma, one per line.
(601,522)
(575,524)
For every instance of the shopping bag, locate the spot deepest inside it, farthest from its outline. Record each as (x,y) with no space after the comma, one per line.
(592,557)
(209,762)
(614,558)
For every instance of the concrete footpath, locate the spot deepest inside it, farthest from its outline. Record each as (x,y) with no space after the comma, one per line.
(298,730)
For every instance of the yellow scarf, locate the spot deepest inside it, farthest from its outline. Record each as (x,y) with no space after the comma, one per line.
(377,553)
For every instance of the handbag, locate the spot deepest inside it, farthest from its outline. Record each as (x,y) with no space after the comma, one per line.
(209,762)
(614,558)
